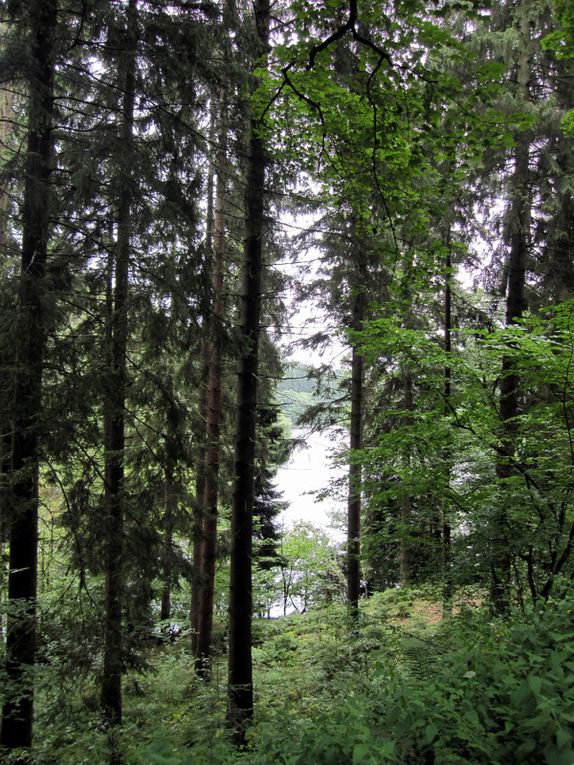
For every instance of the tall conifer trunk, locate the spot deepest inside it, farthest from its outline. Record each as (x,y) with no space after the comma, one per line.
(354,500)
(6,351)
(406,499)
(169,508)
(111,690)
(18,709)
(447,391)
(211,476)
(240,689)
(6,106)
(170,500)
(510,381)
(197,521)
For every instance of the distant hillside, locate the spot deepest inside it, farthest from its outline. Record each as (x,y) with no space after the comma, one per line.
(295,391)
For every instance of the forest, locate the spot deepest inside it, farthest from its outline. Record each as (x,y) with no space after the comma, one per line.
(194,196)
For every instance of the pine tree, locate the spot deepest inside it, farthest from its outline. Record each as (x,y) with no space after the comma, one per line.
(17,712)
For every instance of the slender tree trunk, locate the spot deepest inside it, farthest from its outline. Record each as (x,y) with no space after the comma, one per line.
(6,107)
(6,360)
(18,708)
(510,381)
(197,531)
(405,548)
(354,500)
(111,690)
(211,478)
(406,500)
(170,497)
(240,689)
(194,608)
(447,391)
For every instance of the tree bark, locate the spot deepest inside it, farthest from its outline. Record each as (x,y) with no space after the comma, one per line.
(354,500)
(6,107)
(510,381)
(6,354)
(406,500)
(197,527)
(170,498)
(18,708)
(447,590)
(211,478)
(111,690)
(240,688)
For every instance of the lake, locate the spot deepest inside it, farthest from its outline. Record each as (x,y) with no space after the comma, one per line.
(309,471)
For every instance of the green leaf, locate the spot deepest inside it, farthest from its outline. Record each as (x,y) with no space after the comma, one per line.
(567,123)
(535,684)
(472,717)
(563,737)
(360,753)
(430,733)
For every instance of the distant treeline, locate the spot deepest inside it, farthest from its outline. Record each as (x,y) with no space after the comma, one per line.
(296,390)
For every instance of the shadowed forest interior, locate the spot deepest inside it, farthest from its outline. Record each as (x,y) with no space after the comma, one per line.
(227,227)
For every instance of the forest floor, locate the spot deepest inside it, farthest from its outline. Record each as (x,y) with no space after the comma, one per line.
(409,689)
(300,661)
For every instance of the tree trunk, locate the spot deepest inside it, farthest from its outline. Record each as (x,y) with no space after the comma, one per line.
(170,497)
(6,107)
(447,391)
(17,712)
(406,500)
(111,690)
(197,530)
(510,381)
(354,500)
(6,358)
(211,477)
(240,689)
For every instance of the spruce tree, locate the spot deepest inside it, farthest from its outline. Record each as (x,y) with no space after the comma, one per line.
(17,711)
(240,689)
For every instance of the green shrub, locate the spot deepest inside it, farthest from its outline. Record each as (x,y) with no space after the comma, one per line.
(478,691)
(470,691)
(495,692)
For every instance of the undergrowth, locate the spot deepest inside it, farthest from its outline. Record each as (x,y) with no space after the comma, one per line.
(408,690)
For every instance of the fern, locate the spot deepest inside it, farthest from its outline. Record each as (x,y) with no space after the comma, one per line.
(419,657)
